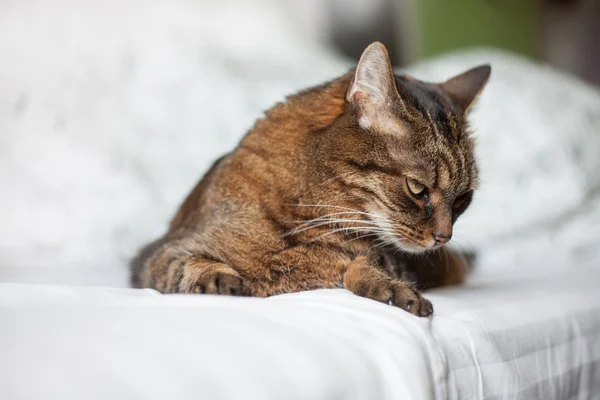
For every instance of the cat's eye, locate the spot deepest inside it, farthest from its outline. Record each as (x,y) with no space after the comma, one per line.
(415,187)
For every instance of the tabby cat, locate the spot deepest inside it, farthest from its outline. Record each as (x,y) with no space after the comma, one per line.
(337,186)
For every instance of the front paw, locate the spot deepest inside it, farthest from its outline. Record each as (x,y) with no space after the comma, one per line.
(210,278)
(396,293)
(409,299)
(371,282)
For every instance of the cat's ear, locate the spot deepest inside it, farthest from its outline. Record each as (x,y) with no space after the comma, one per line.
(373,89)
(463,89)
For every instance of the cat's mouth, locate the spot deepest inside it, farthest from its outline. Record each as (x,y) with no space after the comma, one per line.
(390,234)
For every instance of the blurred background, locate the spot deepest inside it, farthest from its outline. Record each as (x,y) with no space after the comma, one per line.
(563,33)
(110,111)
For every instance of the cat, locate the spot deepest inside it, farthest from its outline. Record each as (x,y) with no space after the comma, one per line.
(335,187)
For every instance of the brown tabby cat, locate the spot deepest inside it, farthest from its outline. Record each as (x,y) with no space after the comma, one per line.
(334,187)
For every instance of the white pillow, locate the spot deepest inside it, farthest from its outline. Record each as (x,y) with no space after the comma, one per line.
(109,116)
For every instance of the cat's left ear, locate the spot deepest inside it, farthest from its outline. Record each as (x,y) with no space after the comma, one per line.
(373,90)
(463,89)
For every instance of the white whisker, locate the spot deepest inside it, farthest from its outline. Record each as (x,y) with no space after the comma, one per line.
(327,220)
(355,229)
(311,225)
(326,217)
(377,226)
(363,236)
(332,206)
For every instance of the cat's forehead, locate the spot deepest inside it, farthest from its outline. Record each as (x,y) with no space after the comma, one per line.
(445,167)
(425,104)
(434,147)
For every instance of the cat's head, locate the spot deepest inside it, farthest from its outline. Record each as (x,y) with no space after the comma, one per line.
(409,150)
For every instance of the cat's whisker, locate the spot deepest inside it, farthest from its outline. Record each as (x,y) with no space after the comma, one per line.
(339,213)
(398,249)
(330,221)
(334,206)
(326,217)
(384,242)
(363,236)
(459,241)
(459,247)
(324,220)
(355,229)
(311,225)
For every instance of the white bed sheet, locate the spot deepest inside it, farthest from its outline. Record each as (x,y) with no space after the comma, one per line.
(93,343)
(499,338)
(526,336)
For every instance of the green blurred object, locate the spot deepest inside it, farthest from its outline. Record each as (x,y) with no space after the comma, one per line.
(446,25)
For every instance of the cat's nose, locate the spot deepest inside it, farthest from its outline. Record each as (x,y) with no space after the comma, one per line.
(441,238)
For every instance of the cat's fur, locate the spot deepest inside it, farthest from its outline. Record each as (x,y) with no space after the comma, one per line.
(316,194)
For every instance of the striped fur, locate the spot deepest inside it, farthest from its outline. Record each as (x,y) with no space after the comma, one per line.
(315,195)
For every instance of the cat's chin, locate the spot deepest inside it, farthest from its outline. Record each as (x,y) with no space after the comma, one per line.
(411,248)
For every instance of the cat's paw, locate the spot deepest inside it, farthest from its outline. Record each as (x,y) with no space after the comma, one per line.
(367,281)
(409,299)
(370,283)
(211,278)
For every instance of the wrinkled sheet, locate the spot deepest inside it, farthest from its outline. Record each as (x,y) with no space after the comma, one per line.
(518,337)
(94,343)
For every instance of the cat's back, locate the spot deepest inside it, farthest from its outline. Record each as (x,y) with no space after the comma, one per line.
(266,165)
(200,195)
(235,191)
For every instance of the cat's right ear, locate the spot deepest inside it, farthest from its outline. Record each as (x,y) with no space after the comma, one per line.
(373,89)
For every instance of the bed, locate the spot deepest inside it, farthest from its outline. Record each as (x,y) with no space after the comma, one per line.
(501,338)
(103,136)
